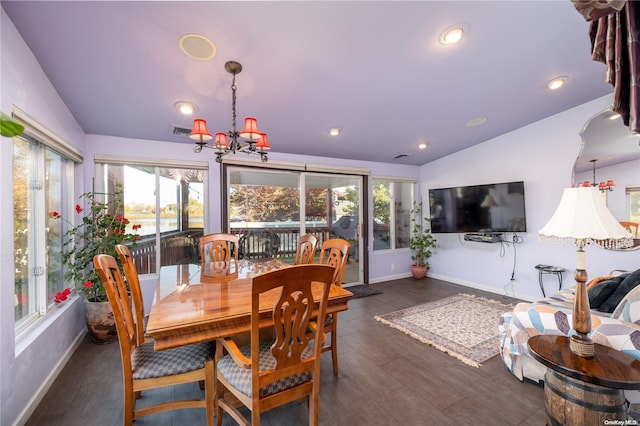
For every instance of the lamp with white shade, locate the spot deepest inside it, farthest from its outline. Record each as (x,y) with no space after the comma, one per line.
(580,219)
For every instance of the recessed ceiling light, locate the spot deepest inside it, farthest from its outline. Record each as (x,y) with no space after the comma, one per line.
(186,108)
(197,46)
(476,121)
(422,145)
(452,35)
(556,83)
(334,131)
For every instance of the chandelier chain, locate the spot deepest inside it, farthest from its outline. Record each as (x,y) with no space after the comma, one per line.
(233,105)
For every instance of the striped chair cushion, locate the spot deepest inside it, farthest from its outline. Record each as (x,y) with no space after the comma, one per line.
(328,320)
(240,378)
(148,364)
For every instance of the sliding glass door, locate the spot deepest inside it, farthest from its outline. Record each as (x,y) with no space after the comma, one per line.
(265,208)
(333,202)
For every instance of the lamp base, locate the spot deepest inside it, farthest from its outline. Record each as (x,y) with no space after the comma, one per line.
(580,343)
(582,346)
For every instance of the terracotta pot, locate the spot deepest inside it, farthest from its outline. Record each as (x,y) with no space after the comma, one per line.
(418,272)
(100,322)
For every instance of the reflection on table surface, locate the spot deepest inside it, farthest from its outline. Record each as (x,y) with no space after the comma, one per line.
(181,277)
(195,303)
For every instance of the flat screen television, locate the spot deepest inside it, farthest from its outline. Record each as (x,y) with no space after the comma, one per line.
(491,208)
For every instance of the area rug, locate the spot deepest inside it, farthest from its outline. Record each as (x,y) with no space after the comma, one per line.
(362,291)
(464,326)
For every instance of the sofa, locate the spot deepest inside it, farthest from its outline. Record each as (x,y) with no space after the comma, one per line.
(615,320)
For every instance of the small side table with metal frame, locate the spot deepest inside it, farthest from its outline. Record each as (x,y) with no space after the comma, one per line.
(548,269)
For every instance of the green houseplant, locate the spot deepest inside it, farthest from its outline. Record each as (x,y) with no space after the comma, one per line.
(103,225)
(421,241)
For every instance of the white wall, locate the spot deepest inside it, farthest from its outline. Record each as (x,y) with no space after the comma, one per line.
(26,369)
(542,155)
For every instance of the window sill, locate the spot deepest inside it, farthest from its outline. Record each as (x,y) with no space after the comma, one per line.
(31,333)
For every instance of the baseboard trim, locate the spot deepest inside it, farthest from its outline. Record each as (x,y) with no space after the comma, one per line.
(46,385)
(452,280)
(390,278)
(488,289)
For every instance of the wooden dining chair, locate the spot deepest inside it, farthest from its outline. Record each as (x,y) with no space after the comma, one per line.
(142,367)
(218,248)
(267,374)
(306,250)
(335,253)
(631,227)
(126,260)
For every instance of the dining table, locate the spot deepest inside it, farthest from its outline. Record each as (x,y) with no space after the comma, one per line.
(196,303)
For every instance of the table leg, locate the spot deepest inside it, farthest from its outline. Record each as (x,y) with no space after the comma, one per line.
(572,402)
(559,281)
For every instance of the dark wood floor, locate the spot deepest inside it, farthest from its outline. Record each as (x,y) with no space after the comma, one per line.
(386,378)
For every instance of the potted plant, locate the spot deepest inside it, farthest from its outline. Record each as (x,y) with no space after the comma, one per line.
(9,127)
(421,241)
(101,228)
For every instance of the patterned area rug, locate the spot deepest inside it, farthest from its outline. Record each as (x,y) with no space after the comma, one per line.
(464,326)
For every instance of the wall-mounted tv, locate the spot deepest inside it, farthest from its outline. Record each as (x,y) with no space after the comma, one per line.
(497,207)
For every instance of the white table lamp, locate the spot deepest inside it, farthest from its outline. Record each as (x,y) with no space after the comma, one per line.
(583,218)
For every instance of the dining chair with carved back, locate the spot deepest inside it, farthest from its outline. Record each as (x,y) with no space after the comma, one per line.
(144,368)
(267,374)
(130,273)
(218,248)
(306,249)
(335,253)
(632,227)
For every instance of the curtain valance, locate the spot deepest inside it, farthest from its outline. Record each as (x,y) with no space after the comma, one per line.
(615,41)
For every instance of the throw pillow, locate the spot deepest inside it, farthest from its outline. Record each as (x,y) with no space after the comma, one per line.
(601,291)
(596,280)
(630,282)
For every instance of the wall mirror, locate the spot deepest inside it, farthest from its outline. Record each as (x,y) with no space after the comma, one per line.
(610,152)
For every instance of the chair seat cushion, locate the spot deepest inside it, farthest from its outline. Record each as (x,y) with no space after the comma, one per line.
(240,378)
(148,363)
(328,320)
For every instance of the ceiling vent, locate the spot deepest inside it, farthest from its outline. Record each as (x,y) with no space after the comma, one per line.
(178,130)
(401,155)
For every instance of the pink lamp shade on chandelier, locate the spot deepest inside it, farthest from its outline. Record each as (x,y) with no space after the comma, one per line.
(603,186)
(250,130)
(220,141)
(199,132)
(607,185)
(263,142)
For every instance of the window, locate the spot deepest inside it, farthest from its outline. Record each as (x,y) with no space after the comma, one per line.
(167,201)
(42,183)
(633,203)
(392,201)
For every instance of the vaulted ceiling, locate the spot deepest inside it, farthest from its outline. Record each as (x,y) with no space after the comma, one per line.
(374,69)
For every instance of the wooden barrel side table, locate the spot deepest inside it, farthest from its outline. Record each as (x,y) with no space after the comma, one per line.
(581,391)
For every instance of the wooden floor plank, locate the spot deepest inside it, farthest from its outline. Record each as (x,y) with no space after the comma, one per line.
(386,378)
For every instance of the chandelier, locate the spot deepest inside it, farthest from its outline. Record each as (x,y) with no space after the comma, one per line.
(602,186)
(256,142)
